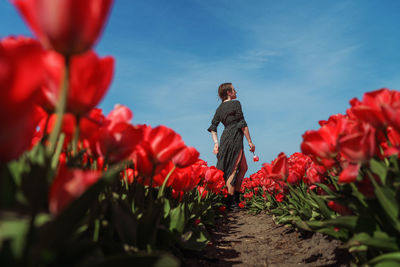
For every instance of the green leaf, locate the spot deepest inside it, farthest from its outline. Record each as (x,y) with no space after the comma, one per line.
(337,234)
(386,198)
(14,228)
(360,248)
(327,189)
(393,257)
(348,222)
(301,224)
(167,208)
(381,243)
(64,225)
(177,216)
(379,168)
(325,211)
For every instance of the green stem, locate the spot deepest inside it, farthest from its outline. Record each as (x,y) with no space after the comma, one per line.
(60,108)
(161,191)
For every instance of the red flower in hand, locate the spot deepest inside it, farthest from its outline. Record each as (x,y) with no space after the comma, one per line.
(90,78)
(69,27)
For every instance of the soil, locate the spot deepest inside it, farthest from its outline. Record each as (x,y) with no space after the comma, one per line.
(243,239)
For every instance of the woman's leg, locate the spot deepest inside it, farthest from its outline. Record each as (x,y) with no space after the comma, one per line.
(231,188)
(241,174)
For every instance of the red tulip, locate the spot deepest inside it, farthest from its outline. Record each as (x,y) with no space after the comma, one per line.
(279,197)
(120,113)
(186,157)
(116,143)
(165,143)
(298,163)
(314,174)
(214,179)
(349,173)
(185,179)
(359,146)
(391,111)
(342,210)
(89,80)
(90,123)
(67,26)
(117,138)
(158,147)
(20,80)
(127,175)
(69,185)
(202,191)
(322,143)
(280,167)
(369,110)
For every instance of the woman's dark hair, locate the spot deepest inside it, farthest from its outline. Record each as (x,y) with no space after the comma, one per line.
(223,90)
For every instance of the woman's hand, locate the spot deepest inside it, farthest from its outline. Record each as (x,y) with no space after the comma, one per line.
(215,149)
(252,147)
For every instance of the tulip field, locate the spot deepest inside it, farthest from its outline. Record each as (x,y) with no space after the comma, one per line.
(83,188)
(345,183)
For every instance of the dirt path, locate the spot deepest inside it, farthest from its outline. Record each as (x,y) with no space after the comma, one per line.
(242,239)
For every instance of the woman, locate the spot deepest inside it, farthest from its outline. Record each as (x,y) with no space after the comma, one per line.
(230,154)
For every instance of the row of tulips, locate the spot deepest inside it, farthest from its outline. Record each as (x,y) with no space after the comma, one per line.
(77,187)
(345,183)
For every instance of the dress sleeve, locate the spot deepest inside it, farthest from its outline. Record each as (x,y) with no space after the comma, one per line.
(214,123)
(239,116)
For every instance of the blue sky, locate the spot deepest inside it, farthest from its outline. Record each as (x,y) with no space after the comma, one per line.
(293,63)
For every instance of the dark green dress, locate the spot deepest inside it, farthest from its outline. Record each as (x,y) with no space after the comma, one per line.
(231,142)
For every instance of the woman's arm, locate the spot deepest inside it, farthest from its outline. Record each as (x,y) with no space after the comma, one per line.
(247,135)
(215,139)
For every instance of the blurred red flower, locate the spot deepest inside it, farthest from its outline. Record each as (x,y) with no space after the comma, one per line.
(69,27)
(358,146)
(369,110)
(21,75)
(322,144)
(68,185)
(214,179)
(165,143)
(117,139)
(222,208)
(89,80)
(202,191)
(279,197)
(342,210)
(186,157)
(158,147)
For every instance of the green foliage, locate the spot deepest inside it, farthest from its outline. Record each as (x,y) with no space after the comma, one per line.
(372,231)
(111,223)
